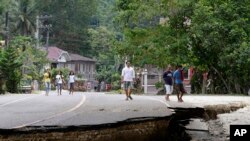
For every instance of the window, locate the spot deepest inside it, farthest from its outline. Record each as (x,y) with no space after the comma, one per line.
(71,67)
(53,65)
(87,68)
(151,76)
(84,67)
(77,67)
(81,67)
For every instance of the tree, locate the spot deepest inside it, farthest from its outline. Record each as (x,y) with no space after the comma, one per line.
(10,67)
(212,36)
(149,42)
(21,61)
(102,36)
(108,63)
(220,42)
(70,21)
(33,59)
(21,16)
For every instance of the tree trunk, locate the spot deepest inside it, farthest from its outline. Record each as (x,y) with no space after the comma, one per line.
(204,84)
(1,86)
(237,85)
(223,80)
(212,88)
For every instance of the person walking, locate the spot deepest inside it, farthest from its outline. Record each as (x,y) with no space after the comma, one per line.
(178,77)
(128,77)
(168,78)
(47,81)
(71,82)
(96,82)
(59,82)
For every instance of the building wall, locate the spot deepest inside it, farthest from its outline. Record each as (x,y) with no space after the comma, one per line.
(87,69)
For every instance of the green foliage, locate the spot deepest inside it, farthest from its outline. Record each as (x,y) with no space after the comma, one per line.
(54,72)
(65,73)
(196,81)
(33,59)
(213,36)
(108,63)
(148,42)
(21,61)
(159,85)
(105,13)
(116,81)
(21,16)
(10,66)
(220,42)
(74,17)
(216,38)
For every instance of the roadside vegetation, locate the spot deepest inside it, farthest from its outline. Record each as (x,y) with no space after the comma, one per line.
(212,36)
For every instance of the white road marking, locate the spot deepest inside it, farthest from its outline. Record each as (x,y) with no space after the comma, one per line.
(18,100)
(53,116)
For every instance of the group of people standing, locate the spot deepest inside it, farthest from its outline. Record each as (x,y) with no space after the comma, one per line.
(171,79)
(174,79)
(59,81)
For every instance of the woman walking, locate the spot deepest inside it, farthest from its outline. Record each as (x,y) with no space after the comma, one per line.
(59,82)
(47,80)
(71,82)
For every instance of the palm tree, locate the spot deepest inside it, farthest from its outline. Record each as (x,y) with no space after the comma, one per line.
(22,16)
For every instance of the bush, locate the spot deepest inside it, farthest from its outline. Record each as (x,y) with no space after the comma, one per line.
(159,85)
(65,73)
(10,66)
(116,81)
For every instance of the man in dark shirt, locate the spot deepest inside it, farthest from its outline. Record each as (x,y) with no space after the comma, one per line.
(168,78)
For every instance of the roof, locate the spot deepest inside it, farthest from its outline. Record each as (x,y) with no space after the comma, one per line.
(54,53)
(76,57)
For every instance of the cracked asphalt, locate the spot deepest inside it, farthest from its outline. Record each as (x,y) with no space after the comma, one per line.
(92,108)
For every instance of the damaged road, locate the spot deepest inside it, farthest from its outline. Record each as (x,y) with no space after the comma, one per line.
(98,116)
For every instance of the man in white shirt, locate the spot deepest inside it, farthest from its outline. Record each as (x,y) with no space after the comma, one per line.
(128,77)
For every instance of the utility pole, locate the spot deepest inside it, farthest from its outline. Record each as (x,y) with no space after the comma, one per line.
(6,28)
(47,37)
(145,73)
(46,26)
(37,31)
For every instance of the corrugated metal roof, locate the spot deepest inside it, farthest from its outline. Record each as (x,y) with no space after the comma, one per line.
(54,53)
(76,57)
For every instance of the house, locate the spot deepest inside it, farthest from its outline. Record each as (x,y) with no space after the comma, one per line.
(82,66)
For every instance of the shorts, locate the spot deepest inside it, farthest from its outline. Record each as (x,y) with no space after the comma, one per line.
(127,85)
(169,89)
(180,88)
